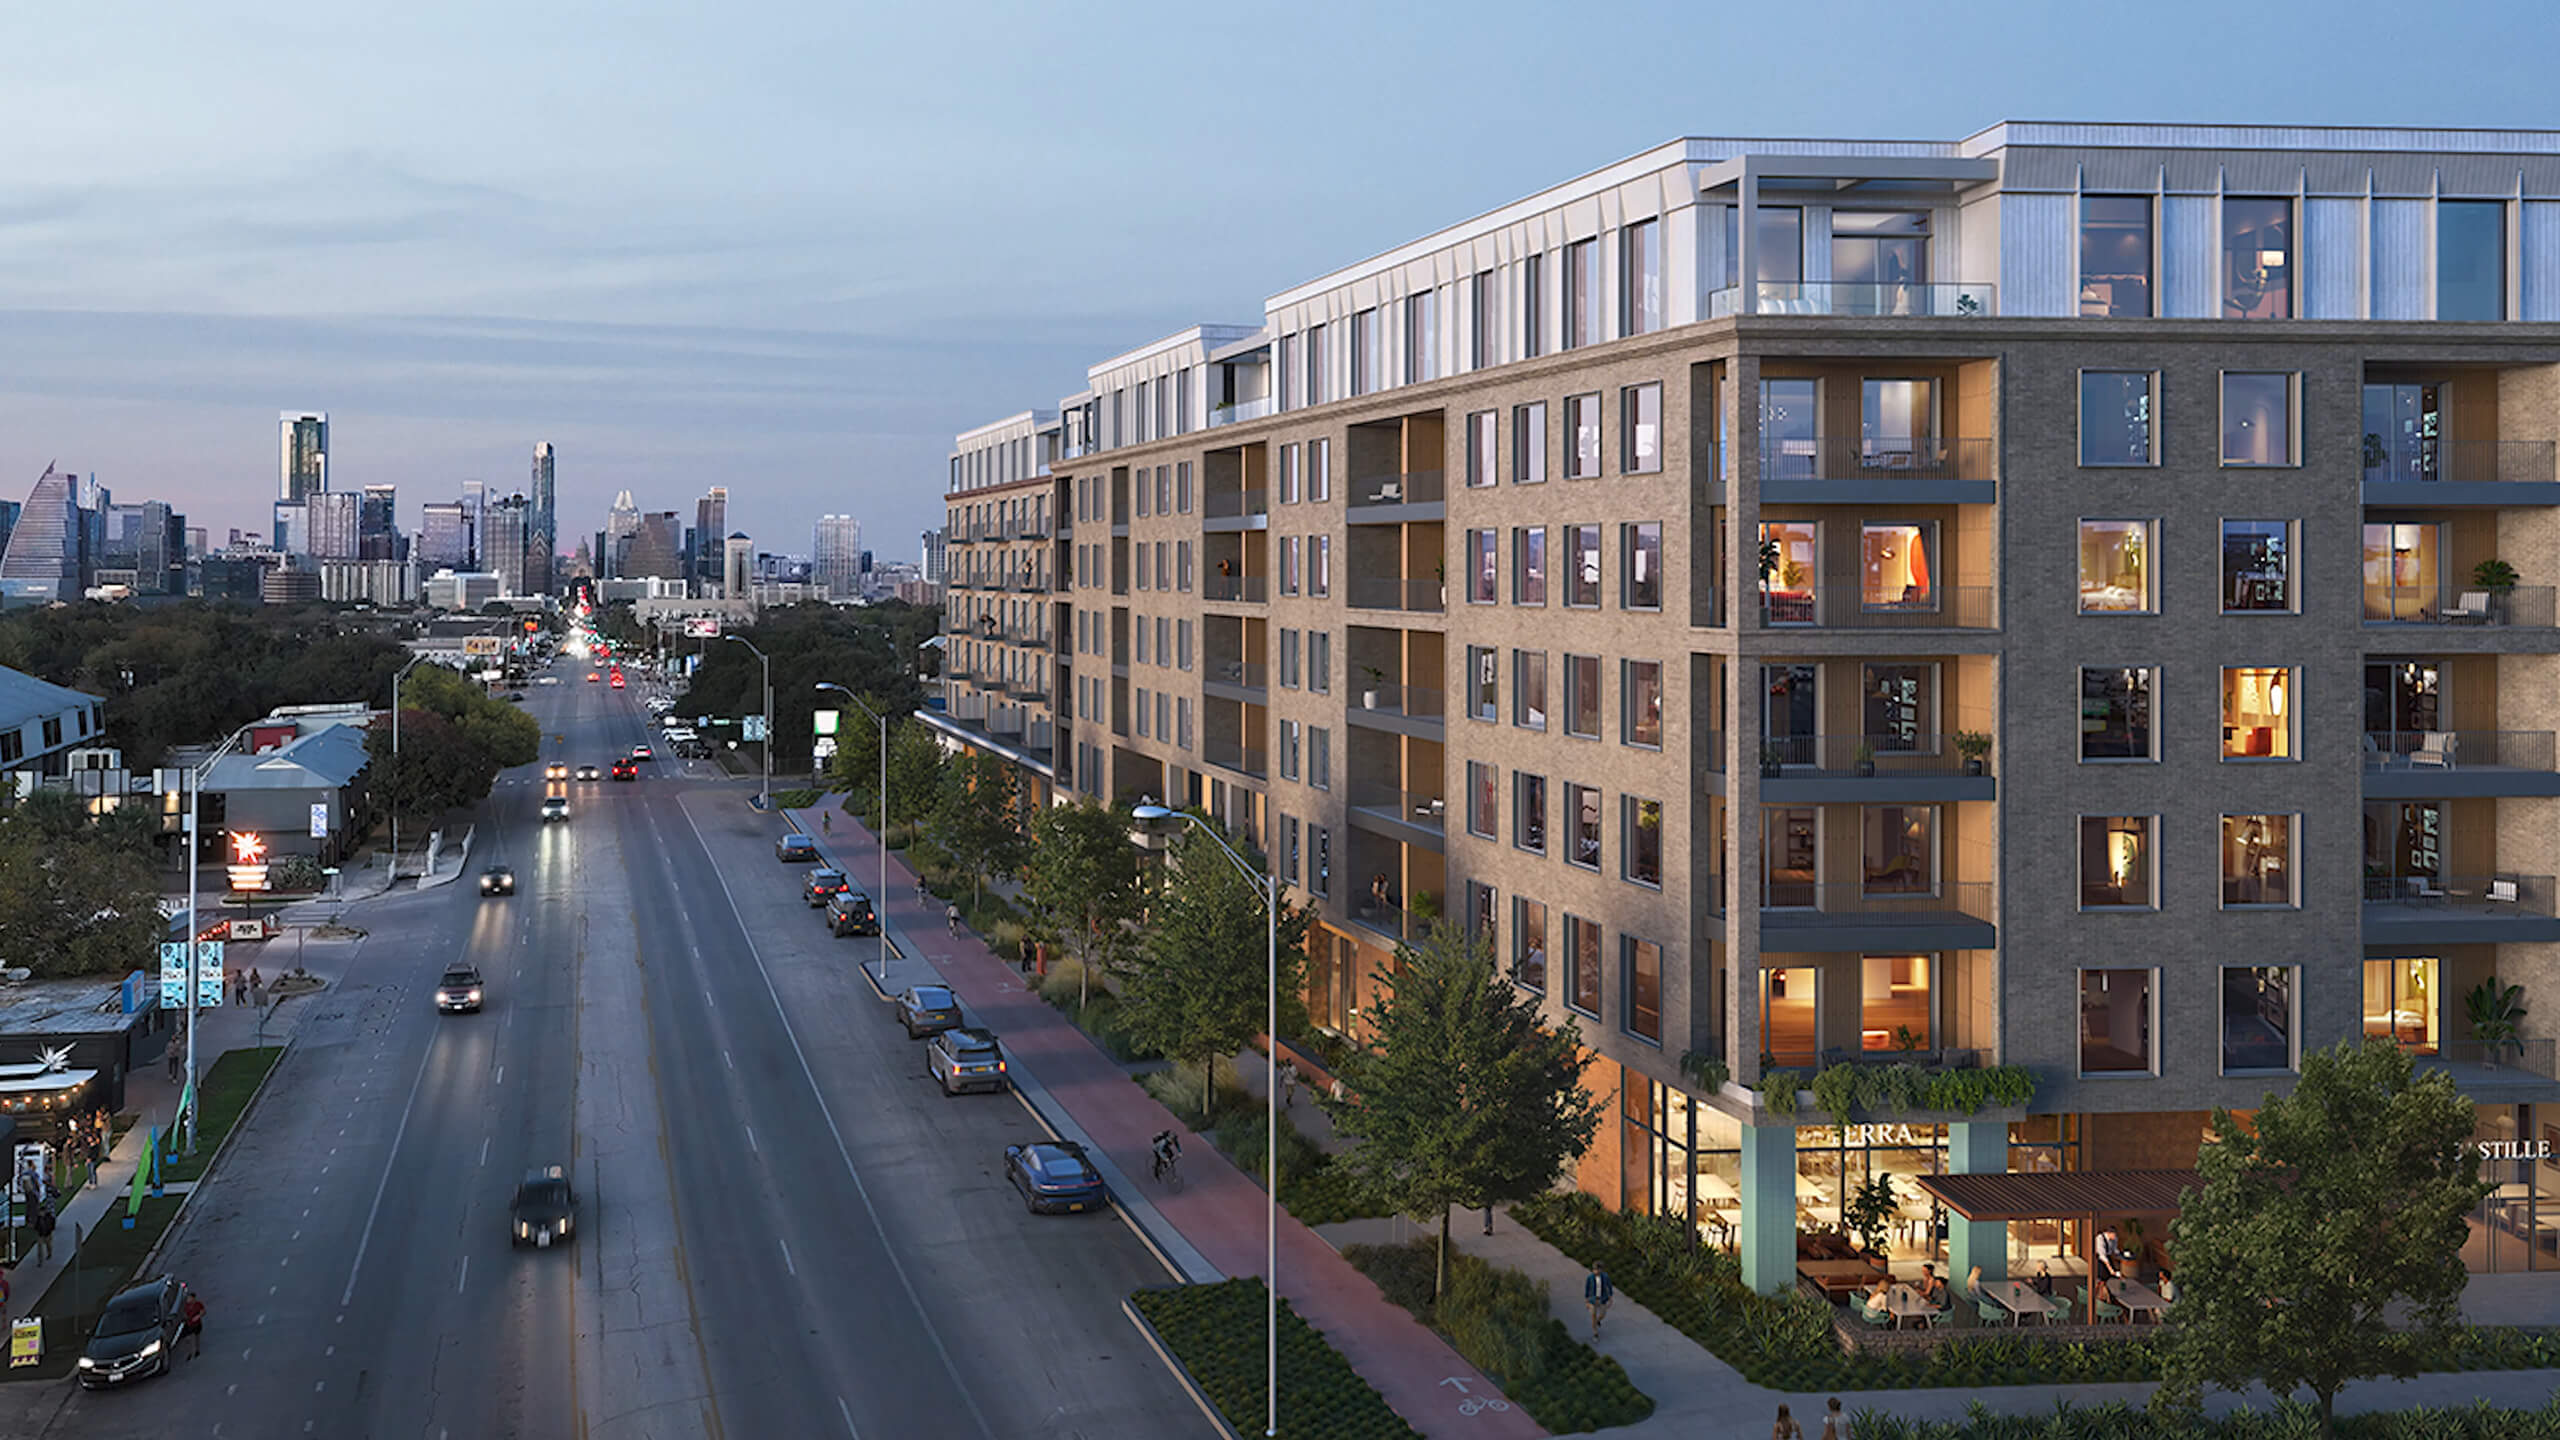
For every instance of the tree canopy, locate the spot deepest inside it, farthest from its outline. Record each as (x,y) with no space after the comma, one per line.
(1082,883)
(976,819)
(872,649)
(77,897)
(1195,989)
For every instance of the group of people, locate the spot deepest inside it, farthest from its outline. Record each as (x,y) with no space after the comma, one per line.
(1835,1424)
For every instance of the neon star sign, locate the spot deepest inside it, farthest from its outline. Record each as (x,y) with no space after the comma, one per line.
(247,847)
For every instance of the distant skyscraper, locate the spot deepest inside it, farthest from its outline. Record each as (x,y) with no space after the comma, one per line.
(91,502)
(835,556)
(503,548)
(160,552)
(737,565)
(932,564)
(337,524)
(378,525)
(444,537)
(293,528)
(710,525)
(8,522)
(621,523)
(475,508)
(542,498)
(305,436)
(43,561)
(657,549)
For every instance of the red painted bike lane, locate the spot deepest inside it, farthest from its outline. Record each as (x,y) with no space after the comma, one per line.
(1218,1210)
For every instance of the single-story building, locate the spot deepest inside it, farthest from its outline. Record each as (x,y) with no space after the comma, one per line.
(40,720)
(66,1046)
(276,792)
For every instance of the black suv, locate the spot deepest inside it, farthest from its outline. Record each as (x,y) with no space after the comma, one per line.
(849,912)
(135,1335)
(545,1208)
(824,884)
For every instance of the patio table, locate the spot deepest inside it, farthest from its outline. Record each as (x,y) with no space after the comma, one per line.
(1905,1303)
(2018,1298)
(2138,1298)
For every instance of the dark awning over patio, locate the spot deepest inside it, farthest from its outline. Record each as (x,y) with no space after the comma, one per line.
(2061,1193)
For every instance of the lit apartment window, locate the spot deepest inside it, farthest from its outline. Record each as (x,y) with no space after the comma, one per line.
(1790,558)
(1529,443)
(1481,441)
(2257,258)
(1484,683)
(1898,706)
(1582,961)
(2257,1019)
(1641,682)
(2117,410)
(1641,960)
(1582,566)
(2257,567)
(1533,301)
(1482,328)
(1582,431)
(1896,566)
(1899,853)
(2471,260)
(2115,714)
(1640,278)
(1529,566)
(2115,567)
(1582,323)
(1894,1001)
(1642,566)
(2116,1022)
(2258,418)
(1640,429)
(1319,470)
(1365,357)
(2401,1003)
(1484,791)
(2116,865)
(2257,861)
(1582,696)
(1529,689)
(1484,567)
(1529,944)
(2256,724)
(1529,812)
(1642,842)
(1422,337)
(2405,575)
(2115,255)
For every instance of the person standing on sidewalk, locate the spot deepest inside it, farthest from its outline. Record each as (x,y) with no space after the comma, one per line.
(951,916)
(1597,1292)
(42,1223)
(1835,1425)
(191,1323)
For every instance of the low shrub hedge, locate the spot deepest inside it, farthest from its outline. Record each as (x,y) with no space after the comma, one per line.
(2287,1421)
(1216,1331)
(800,799)
(1314,1188)
(1498,1319)
(1099,1017)
(1177,1088)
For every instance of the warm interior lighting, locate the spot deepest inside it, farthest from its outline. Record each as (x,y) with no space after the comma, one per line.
(2271,259)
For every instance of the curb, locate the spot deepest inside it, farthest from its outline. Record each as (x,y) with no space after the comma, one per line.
(1181,1372)
(1180,1258)
(247,1112)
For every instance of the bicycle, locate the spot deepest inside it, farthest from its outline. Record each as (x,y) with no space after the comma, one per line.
(1167,1169)
(1472,1404)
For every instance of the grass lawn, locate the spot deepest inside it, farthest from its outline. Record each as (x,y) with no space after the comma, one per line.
(106,1263)
(227,1088)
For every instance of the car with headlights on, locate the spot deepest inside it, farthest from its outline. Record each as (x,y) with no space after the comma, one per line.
(1054,1176)
(824,884)
(496,880)
(134,1336)
(589,772)
(927,1010)
(545,1208)
(553,771)
(964,1059)
(458,991)
(554,807)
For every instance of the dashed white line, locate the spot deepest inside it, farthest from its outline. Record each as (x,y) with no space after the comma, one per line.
(724,1055)
(841,1408)
(750,1129)
(459,1280)
(778,1240)
(484,1140)
(502,1070)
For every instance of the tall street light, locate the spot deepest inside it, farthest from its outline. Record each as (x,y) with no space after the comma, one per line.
(881,906)
(1269,883)
(395,757)
(765,795)
(195,794)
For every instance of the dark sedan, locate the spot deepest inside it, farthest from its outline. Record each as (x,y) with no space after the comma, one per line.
(1053,1176)
(544,1209)
(825,882)
(795,846)
(496,880)
(928,1010)
(135,1335)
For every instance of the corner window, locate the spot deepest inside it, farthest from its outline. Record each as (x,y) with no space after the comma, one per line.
(1480,449)
(1529,689)
(1642,842)
(2257,418)
(1582,437)
(2115,567)
(1641,962)
(2115,255)
(2116,863)
(1641,566)
(2115,714)
(1529,443)
(1529,944)
(2257,258)
(1582,964)
(2116,417)
(2116,1022)
(1529,566)
(1641,689)
(2257,1019)
(2471,260)
(1640,429)
(1582,566)
(1529,812)
(2257,862)
(1582,811)
(2256,719)
(2257,567)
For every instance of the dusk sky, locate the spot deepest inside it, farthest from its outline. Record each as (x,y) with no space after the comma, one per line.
(792,247)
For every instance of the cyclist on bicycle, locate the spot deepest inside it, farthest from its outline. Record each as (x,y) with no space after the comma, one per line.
(1168,1153)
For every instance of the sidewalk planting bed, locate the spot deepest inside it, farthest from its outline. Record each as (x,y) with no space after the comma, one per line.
(1498,1319)
(1216,1332)
(227,1087)
(2118,1421)
(107,1258)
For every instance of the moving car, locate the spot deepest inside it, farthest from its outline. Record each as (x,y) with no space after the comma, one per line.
(553,771)
(1054,1175)
(134,1336)
(555,807)
(496,880)
(589,772)
(824,883)
(966,1059)
(849,912)
(928,1010)
(617,684)
(458,991)
(592,677)
(626,768)
(794,846)
(642,752)
(545,1208)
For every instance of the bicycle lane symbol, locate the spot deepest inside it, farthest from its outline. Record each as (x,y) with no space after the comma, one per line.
(1473,1403)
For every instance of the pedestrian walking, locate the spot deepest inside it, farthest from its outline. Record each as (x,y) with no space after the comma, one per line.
(1835,1425)
(191,1323)
(177,1041)
(1786,1428)
(43,1223)
(1288,1084)
(951,916)
(255,983)
(1597,1291)
(827,821)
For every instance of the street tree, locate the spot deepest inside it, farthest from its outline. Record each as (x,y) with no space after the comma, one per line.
(976,820)
(2324,1242)
(1195,988)
(916,762)
(437,767)
(1082,882)
(82,899)
(1464,1098)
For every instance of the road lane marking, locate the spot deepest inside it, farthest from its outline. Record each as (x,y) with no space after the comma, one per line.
(401,1130)
(750,1129)
(502,1070)
(460,1280)
(724,1055)
(484,1140)
(841,1408)
(778,1240)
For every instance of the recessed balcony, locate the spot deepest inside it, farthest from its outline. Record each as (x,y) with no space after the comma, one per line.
(1862,299)
(2455,764)
(1406,709)
(1847,605)
(1827,916)
(1918,470)
(1412,816)
(1233,679)
(2419,471)
(1880,769)
(2523,607)
(1235,589)
(1418,597)
(1396,497)
(2458,909)
(1228,510)
(1242,759)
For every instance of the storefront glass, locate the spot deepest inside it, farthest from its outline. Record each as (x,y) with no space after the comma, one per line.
(2518,1226)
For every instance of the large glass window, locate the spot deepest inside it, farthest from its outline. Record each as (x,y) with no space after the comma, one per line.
(1790,429)
(1897,421)
(1533,306)
(1482,325)
(1422,337)
(1484,791)
(1778,235)
(1481,450)
(1878,258)
(1529,812)
(2115,567)
(2257,1018)
(2257,258)
(1367,359)
(2257,567)
(1582,432)
(1484,682)
(1900,849)
(1642,566)
(1582,566)
(1529,566)
(2116,417)
(1642,682)
(1789,564)
(2116,863)
(1582,324)
(1897,707)
(1894,566)
(1529,689)
(2115,255)
(2115,1022)
(1791,712)
(1640,277)
(1640,429)
(2404,432)
(1529,944)
(1642,962)
(2257,418)
(1790,1015)
(2402,572)
(1894,1002)
(2257,861)
(1582,958)
(2400,1002)
(1582,807)
(2115,713)
(1582,696)
(2471,260)
(1790,845)
(1484,567)
(2403,703)
(1529,443)
(2256,724)
(1642,844)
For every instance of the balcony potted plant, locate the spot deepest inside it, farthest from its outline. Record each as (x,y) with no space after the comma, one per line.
(2498,578)
(1972,745)
(1773,762)
(1377,678)
(2495,1012)
(1440,568)
(1866,765)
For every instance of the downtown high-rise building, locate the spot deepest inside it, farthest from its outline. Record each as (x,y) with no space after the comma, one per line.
(304,461)
(542,498)
(621,523)
(835,556)
(444,537)
(378,526)
(656,549)
(43,560)
(336,525)
(737,567)
(475,508)
(710,526)
(931,566)
(506,544)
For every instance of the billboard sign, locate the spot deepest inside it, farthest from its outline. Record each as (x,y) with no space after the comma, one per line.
(173,974)
(320,820)
(755,727)
(702,627)
(484,645)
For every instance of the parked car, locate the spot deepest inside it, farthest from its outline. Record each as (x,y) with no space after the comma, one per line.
(496,880)
(850,912)
(458,991)
(823,884)
(927,1010)
(1054,1175)
(796,845)
(545,1208)
(134,1336)
(966,1058)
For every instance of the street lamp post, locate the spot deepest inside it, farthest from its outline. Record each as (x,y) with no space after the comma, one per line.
(1269,883)
(882,836)
(395,762)
(765,795)
(195,805)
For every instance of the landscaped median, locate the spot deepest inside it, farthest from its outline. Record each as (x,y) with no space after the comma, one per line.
(2118,1421)
(1215,1333)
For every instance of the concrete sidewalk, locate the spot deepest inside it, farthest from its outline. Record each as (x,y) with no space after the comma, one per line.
(1218,1211)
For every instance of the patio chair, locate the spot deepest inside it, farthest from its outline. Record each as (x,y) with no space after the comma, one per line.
(2474,609)
(1939,1317)
(1991,1314)
(2425,890)
(2436,748)
(2503,892)
(2106,1312)
(1870,1316)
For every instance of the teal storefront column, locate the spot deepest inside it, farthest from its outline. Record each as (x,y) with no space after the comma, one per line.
(1977,1148)
(1769,1207)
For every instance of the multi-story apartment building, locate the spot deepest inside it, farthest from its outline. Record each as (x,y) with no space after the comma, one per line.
(1829,602)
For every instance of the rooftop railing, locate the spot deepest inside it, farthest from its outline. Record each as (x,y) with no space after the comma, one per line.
(1844,297)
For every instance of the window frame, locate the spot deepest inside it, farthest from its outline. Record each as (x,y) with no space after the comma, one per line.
(1575,793)
(1628,690)
(1520,709)
(1574,534)
(1585,403)
(2150,424)
(1521,783)
(2150,1069)
(1523,575)
(1575,926)
(2292,588)
(2150,863)
(2293,1020)
(1529,443)
(1484,794)
(1484,448)
(2289,678)
(2293,419)
(1633,1011)
(2150,720)
(1641,309)
(1575,701)
(1629,532)
(1528,940)
(2292,859)
(1630,823)
(2150,568)
(1631,400)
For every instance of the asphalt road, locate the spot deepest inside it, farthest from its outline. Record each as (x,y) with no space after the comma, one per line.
(784,1228)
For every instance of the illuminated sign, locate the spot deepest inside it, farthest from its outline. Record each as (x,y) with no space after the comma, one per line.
(702,627)
(2515,1149)
(248,868)
(822,722)
(484,645)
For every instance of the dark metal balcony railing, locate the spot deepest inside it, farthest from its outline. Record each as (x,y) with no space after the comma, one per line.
(2393,459)
(1920,457)
(1875,897)
(2478,895)
(1234,504)
(2424,750)
(1847,606)
(2534,1057)
(1414,807)
(1235,589)
(1244,759)
(1839,754)
(2523,607)
(1411,487)
(1414,702)
(1424,597)
(1841,297)
(1238,672)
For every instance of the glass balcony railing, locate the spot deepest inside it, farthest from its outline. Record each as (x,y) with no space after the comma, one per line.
(2476,1063)
(1850,605)
(2421,751)
(1236,589)
(2489,896)
(1235,504)
(1885,895)
(2522,606)
(2415,460)
(1413,807)
(1243,759)
(1827,755)
(1912,458)
(1426,597)
(1410,487)
(1238,672)
(1842,297)
(1238,411)
(1414,702)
